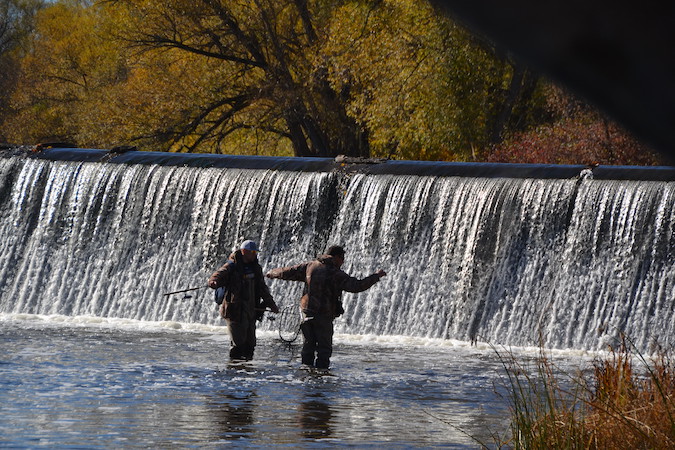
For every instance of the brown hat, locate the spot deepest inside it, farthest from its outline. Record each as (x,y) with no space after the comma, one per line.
(336,250)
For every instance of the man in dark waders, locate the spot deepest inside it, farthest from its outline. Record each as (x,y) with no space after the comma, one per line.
(245,298)
(324,282)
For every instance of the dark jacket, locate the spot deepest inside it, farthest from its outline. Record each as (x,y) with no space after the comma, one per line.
(324,283)
(237,298)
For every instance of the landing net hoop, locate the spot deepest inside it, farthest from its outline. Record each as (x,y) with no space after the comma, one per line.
(289,321)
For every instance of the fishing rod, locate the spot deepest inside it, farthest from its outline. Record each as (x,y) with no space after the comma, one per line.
(204,287)
(185,290)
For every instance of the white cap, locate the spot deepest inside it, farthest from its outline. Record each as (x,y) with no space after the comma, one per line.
(249,245)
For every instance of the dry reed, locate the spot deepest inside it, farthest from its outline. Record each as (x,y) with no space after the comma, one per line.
(625,401)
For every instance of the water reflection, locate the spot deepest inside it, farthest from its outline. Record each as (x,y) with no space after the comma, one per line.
(315,417)
(234,415)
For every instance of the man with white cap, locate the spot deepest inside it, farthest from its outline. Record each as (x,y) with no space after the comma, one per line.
(245,297)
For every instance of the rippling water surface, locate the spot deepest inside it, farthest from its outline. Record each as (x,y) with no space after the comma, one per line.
(93,384)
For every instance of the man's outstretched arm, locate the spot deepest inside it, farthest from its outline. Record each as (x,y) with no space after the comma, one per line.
(293,273)
(352,284)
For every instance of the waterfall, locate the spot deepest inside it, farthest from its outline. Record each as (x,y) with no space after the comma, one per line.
(557,262)
(514,261)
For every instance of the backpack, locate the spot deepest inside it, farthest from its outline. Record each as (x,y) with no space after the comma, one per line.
(219,295)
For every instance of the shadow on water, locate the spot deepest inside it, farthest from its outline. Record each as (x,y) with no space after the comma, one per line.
(234,415)
(315,416)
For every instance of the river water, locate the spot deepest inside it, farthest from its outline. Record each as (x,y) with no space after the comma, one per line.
(89,382)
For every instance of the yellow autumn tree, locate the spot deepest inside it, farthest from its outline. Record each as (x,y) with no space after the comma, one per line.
(68,62)
(17,21)
(424,87)
(248,75)
(390,78)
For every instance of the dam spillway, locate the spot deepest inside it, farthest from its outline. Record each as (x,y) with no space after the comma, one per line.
(508,254)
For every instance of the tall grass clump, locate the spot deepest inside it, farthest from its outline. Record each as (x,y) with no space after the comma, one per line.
(624,401)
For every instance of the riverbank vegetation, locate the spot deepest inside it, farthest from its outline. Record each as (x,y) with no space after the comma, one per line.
(391,78)
(624,401)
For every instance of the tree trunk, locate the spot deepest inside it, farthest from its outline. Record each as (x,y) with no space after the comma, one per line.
(298,139)
(506,111)
(345,135)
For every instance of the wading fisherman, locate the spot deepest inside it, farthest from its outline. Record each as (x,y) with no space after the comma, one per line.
(320,303)
(245,297)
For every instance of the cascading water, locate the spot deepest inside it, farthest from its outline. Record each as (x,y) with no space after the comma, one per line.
(109,240)
(562,263)
(515,261)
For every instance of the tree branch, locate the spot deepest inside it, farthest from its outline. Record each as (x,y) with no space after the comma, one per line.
(161,41)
